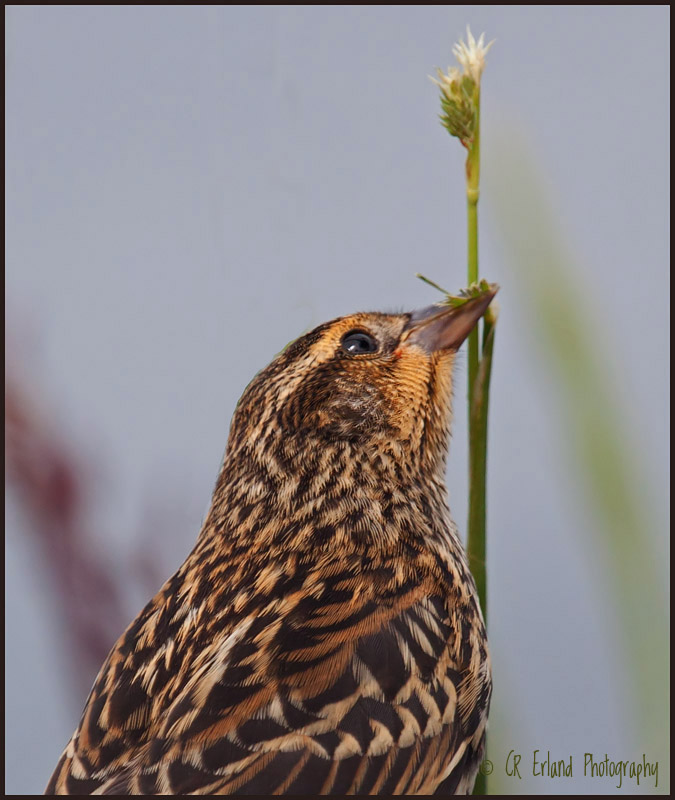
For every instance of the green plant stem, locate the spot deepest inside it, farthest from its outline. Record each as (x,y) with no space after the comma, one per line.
(472,213)
(478,460)
(477,391)
(477,482)
(472,194)
(476,402)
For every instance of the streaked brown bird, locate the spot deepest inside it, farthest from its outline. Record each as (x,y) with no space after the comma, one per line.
(324,636)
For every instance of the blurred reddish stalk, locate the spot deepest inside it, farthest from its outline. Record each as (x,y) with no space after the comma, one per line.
(51,486)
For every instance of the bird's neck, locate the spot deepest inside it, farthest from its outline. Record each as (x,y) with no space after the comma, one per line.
(297,496)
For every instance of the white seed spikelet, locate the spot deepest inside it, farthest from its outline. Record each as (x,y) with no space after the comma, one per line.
(471,54)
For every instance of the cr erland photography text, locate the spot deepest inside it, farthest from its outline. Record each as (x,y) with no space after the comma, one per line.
(624,773)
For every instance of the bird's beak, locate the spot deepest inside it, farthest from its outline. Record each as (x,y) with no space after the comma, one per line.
(443,327)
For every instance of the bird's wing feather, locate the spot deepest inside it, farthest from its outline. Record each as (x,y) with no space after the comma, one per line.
(336,695)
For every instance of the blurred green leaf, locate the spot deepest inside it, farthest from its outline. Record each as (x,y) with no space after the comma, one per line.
(608,467)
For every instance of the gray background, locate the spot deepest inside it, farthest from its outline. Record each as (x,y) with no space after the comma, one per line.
(190,188)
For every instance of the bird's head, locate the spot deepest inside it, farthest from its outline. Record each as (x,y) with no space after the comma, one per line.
(373,384)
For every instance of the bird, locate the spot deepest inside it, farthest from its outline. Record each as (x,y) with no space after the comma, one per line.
(324,636)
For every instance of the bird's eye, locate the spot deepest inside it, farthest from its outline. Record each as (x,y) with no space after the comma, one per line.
(357,342)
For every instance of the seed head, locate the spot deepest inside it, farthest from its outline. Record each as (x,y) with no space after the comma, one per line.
(460,89)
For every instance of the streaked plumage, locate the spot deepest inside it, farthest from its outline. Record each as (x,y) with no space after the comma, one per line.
(324,635)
